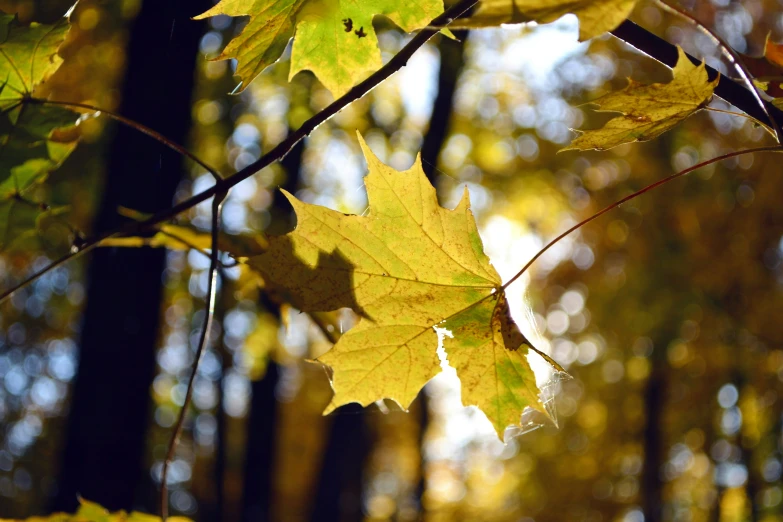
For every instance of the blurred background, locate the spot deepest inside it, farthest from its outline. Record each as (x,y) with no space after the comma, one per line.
(665,312)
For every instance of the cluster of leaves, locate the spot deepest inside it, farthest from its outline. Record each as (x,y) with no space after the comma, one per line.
(410,267)
(34,138)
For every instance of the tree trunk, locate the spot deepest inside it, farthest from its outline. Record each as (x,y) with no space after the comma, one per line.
(340,486)
(451,62)
(103,459)
(259,455)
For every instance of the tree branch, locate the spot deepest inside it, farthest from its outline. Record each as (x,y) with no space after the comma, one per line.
(210,299)
(133,125)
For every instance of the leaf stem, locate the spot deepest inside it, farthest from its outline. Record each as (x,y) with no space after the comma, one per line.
(202,344)
(730,55)
(176,147)
(396,63)
(743,115)
(634,195)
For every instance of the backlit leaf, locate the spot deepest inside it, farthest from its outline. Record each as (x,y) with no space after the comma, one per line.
(595,16)
(648,111)
(335,39)
(405,267)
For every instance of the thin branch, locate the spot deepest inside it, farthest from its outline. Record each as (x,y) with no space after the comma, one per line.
(202,344)
(636,194)
(730,55)
(73,254)
(743,115)
(176,147)
(396,63)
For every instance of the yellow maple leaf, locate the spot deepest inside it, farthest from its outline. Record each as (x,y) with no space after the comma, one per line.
(406,267)
(648,111)
(333,38)
(595,16)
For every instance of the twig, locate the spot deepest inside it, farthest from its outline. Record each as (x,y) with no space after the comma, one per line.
(176,147)
(743,115)
(730,55)
(636,194)
(396,63)
(202,343)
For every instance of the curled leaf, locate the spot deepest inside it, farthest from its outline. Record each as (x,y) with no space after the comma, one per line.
(647,111)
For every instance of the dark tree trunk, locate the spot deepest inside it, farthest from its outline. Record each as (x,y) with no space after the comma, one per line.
(340,485)
(451,61)
(103,459)
(259,456)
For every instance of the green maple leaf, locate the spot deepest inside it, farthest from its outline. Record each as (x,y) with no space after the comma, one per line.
(648,111)
(406,267)
(334,38)
(34,139)
(595,16)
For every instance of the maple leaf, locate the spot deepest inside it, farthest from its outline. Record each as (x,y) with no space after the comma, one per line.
(335,39)
(406,267)
(649,110)
(595,16)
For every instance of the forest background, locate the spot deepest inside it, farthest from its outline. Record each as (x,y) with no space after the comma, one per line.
(664,312)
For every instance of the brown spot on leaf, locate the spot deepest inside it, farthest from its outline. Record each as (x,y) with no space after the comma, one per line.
(348,23)
(360,32)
